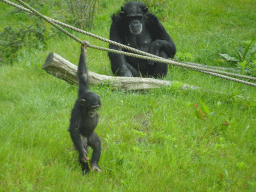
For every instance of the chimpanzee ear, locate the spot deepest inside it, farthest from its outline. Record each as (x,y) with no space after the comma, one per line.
(122,14)
(82,102)
(145,9)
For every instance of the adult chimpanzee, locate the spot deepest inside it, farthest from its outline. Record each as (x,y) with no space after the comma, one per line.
(135,27)
(84,119)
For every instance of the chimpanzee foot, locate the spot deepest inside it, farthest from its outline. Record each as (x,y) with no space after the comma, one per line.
(96,167)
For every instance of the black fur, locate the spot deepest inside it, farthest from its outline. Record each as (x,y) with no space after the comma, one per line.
(134,27)
(84,119)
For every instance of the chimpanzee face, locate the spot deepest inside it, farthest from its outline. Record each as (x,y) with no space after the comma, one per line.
(90,103)
(135,25)
(92,110)
(133,13)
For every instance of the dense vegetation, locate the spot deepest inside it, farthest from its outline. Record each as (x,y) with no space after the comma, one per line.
(166,139)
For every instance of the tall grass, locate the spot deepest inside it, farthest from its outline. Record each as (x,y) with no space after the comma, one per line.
(151,141)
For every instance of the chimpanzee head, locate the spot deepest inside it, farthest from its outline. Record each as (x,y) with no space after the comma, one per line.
(133,13)
(90,102)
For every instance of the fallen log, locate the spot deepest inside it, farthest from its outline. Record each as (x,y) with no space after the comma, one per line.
(65,70)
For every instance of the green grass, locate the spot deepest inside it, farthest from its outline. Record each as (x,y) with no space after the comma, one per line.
(151,141)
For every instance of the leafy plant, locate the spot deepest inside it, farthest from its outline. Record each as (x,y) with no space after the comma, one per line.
(13,39)
(245,59)
(201,111)
(32,33)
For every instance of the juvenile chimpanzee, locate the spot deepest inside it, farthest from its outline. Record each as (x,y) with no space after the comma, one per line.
(84,119)
(135,27)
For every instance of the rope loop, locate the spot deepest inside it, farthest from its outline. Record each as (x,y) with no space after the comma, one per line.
(86,44)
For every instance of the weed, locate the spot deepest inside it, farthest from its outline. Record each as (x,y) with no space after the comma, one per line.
(246,57)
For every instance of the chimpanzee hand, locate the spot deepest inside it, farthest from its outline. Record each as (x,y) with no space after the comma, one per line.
(83,156)
(156,48)
(125,73)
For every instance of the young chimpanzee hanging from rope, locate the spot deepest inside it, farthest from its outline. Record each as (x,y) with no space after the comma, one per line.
(84,119)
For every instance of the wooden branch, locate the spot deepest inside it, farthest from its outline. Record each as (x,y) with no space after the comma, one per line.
(63,69)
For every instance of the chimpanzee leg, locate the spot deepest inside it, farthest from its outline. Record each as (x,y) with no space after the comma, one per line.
(161,68)
(94,142)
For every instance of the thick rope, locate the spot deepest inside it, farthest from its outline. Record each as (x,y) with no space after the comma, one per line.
(130,48)
(200,69)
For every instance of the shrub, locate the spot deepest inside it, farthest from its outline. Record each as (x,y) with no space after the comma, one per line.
(13,39)
(245,59)
(82,12)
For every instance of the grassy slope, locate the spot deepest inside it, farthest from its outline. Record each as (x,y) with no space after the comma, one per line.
(151,141)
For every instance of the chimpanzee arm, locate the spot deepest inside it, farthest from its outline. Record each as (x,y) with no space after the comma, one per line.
(161,39)
(118,61)
(75,121)
(82,72)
